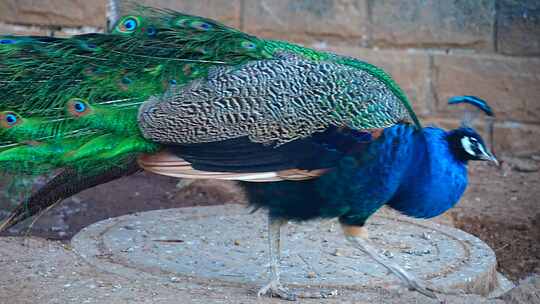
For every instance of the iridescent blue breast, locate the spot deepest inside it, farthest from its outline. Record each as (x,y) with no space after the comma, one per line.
(435,179)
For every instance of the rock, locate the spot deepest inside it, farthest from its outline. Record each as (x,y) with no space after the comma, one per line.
(337,252)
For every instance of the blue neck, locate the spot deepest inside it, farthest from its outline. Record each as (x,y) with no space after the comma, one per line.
(434,180)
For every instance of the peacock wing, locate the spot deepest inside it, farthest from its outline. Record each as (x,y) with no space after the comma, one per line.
(268,115)
(271,102)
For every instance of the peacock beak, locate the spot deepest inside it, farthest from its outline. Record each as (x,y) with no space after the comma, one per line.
(489,157)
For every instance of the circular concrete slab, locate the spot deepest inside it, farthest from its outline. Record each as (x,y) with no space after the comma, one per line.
(227,245)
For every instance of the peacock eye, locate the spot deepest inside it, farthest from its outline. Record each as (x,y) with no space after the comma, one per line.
(11,119)
(130,24)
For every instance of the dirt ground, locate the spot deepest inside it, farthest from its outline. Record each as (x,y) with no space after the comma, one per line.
(501,207)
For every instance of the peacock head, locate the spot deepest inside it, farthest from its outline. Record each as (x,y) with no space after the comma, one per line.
(465,143)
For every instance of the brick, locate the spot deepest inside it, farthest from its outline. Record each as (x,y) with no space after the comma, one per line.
(8,29)
(73,13)
(509,137)
(516,138)
(68,32)
(411,70)
(510,85)
(226,11)
(518,27)
(433,23)
(308,20)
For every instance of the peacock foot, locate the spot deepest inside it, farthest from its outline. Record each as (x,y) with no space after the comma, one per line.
(275,289)
(420,287)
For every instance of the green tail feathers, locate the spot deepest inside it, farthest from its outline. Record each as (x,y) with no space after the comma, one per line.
(73,102)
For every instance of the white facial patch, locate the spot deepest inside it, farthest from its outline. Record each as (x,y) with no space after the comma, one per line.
(467,145)
(481,148)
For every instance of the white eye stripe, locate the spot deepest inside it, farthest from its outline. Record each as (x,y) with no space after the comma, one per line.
(481,148)
(467,145)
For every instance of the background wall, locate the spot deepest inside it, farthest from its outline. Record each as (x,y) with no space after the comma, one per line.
(434,49)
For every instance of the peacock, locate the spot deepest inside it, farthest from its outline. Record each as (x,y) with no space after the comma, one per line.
(309,134)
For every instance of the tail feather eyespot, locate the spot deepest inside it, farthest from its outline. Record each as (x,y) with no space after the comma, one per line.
(88,46)
(128,24)
(248,45)
(7,41)
(201,25)
(78,107)
(151,31)
(9,119)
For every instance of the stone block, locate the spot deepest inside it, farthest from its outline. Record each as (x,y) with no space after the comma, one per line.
(72,13)
(515,138)
(518,27)
(410,69)
(224,11)
(433,23)
(510,85)
(511,138)
(68,32)
(9,29)
(308,20)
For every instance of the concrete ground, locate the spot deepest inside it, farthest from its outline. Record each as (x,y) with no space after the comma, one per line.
(109,263)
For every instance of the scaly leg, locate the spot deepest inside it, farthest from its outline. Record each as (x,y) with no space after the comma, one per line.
(274,288)
(357,236)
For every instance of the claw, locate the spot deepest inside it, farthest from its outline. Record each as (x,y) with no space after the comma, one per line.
(275,289)
(427,291)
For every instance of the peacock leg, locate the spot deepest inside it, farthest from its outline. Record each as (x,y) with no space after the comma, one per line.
(274,288)
(357,236)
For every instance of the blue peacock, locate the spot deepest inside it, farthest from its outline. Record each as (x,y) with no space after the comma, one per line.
(309,134)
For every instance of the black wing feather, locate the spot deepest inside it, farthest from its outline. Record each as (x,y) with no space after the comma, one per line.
(241,155)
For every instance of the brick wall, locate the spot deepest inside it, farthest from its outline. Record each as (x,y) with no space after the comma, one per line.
(434,49)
